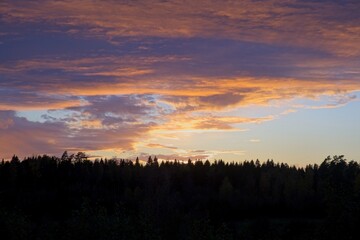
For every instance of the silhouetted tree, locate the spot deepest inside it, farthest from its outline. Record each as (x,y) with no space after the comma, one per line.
(149,161)
(44,197)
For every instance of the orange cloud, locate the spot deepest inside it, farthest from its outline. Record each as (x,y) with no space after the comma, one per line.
(144,75)
(298,23)
(186,122)
(39,105)
(215,92)
(183,93)
(156,145)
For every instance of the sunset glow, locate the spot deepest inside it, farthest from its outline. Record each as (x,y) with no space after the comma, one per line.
(231,80)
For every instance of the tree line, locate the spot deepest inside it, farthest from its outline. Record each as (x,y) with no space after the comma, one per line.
(71,197)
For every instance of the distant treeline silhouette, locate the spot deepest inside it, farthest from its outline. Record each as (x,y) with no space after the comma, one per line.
(71,197)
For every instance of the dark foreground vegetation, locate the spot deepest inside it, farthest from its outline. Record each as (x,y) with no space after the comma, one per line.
(73,198)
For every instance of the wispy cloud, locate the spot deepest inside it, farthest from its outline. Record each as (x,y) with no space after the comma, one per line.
(156,145)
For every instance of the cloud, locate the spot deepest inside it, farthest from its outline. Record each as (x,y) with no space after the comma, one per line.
(122,72)
(129,74)
(183,91)
(19,100)
(156,145)
(186,122)
(113,112)
(22,137)
(198,151)
(175,156)
(226,123)
(5,123)
(182,157)
(222,100)
(333,26)
(339,101)
(124,105)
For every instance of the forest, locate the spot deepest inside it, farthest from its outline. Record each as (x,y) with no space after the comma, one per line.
(71,197)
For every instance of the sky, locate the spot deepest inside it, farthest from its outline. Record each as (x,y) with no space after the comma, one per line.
(231,80)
